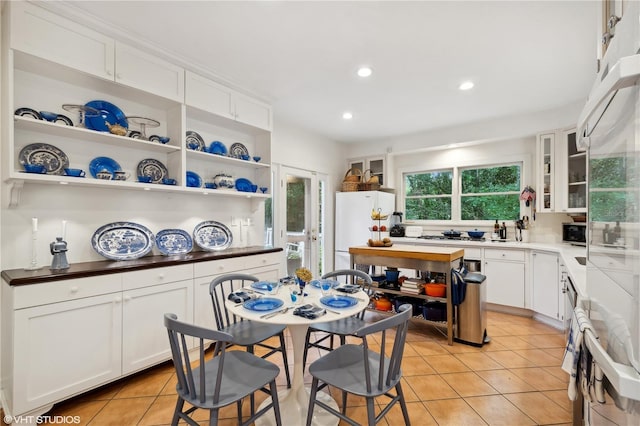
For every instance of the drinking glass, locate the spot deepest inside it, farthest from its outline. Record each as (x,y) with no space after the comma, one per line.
(297,295)
(325,286)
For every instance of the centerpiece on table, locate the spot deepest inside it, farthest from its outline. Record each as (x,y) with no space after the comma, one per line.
(303,276)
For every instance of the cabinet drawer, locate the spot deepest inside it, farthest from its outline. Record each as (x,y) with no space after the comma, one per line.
(472,253)
(236,264)
(59,291)
(515,255)
(149,277)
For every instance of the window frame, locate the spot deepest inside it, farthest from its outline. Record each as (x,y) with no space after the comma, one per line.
(522,160)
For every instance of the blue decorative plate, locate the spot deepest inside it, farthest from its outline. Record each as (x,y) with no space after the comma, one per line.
(108,112)
(194,141)
(212,235)
(243,185)
(217,148)
(339,301)
(174,241)
(53,158)
(153,169)
(263,304)
(318,283)
(237,150)
(99,164)
(193,180)
(122,240)
(264,285)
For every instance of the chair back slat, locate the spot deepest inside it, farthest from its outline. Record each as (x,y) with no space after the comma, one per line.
(178,333)
(220,288)
(400,323)
(353,276)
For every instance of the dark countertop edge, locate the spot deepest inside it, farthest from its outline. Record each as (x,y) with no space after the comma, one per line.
(16,277)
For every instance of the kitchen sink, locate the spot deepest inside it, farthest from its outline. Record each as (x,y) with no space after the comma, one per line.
(581,260)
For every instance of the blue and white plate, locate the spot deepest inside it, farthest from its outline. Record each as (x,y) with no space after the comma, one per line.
(173,241)
(193,180)
(99,164)
(263,304)
(217,148)
(194,141)
(318,283)
(243,185)
(153,169)
(108,112)
(122,240)
(53,158)
(212,235)
(237,150)
(264,285)
(339,301)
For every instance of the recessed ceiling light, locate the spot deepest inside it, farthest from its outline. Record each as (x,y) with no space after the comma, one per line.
(364,71)
(466,85)
(347,115)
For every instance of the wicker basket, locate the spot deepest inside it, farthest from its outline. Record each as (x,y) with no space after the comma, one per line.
(372,183)
(351,180)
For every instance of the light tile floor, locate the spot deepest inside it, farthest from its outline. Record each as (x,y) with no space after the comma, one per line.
(514,380)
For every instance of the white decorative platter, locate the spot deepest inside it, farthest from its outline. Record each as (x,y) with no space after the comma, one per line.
(154,169)
(53,158)
(122,240)
(174,241)
(211,235)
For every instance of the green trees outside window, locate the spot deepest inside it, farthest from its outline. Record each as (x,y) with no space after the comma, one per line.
(614,189)
(486,193)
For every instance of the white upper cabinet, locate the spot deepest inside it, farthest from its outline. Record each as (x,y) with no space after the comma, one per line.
(146,72)
(216,98)
(43,34)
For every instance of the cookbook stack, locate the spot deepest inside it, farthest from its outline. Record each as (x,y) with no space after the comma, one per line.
(413,286)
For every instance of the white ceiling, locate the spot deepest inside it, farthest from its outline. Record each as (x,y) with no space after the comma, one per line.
(302,57)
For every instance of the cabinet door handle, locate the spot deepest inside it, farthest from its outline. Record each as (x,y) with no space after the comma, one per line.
(127,298)
(119,76)
(109,72)
(161,276)
(118,299)
(74,289)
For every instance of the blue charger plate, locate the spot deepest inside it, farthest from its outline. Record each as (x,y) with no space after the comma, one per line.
(339,301)
(108,112)
(193,180)
(217,148)
(263,304)
(243,185)
(264,285)
(99,164)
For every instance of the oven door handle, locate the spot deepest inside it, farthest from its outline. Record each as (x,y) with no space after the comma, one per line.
(623,74)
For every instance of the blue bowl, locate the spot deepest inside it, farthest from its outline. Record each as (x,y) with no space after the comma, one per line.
(169,181)
(210,185)
(35,168)
(145,179)
(256,158)
(475,233)
(244,156)
(74,172)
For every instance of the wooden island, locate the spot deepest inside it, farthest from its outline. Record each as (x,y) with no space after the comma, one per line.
(422,258)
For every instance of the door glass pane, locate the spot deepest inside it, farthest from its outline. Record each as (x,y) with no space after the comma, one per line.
(320,234)
(297,222)
(268,218)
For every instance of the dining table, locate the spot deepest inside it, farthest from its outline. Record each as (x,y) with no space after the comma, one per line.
(294,402)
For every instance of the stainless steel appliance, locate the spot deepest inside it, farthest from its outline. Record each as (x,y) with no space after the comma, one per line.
(471,320)
(574,233)
(609,129)
(397,227)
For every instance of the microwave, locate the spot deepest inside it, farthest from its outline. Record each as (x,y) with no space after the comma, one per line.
(574,233)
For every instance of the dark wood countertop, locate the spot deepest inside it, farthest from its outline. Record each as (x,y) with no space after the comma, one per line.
(103,267)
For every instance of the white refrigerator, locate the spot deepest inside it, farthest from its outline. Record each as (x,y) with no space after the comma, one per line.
(353,219)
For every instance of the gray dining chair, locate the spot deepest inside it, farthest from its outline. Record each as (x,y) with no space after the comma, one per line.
(358,370)
(341,328)
(214,381)
(245,333)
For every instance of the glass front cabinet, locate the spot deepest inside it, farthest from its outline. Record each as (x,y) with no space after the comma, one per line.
(562,173)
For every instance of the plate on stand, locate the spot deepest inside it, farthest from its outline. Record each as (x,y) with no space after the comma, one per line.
(53,158)
(194,141)
(153,169)
(217,148)
(107,112)
(237,150)
(122,240)
(174,241)
(212,235)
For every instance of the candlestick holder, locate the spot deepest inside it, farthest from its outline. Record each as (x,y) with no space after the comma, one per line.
(33,266)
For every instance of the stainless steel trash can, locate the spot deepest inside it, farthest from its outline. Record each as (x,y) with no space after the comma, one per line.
(471,320)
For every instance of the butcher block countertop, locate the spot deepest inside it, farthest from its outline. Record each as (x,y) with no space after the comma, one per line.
(429,253)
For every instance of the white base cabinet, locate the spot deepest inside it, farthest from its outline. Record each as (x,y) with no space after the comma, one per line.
(545,284)
(505,272)
(63,338)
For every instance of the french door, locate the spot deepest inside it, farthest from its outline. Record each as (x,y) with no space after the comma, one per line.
(301,218)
